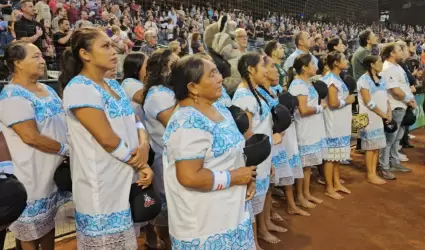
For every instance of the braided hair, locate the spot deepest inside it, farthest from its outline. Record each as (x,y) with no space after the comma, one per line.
(367,62)
(157,71)
(251,59)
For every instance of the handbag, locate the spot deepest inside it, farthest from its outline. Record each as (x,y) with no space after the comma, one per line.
(359,121)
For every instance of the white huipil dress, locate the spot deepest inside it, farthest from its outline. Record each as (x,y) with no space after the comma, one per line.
(34,168)
(225,99)
(337,123)
(158,99)
(131,86)
(373,136)
(310,129)
(279,157)
(261,124)
(101,183)
(197,219)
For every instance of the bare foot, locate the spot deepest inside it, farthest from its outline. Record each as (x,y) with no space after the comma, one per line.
(267,237)
(343,189)
(313,199)
(305,203)
(276,217)
(376,180)
(297,210)
(275,228)
(334,195)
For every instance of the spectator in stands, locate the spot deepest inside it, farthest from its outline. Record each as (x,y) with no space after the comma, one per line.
(241,39)
(400,97)
(196,43)
(83,22)
(6,37)
(318,48)
(174,46)
(6,9)
(276,52)
(367,40)
(336,44)
(26,29)
(61,39)
(151,25)
(303,47)
(60,15)
(72,13)
(42,10)
(28,109)
(151,41)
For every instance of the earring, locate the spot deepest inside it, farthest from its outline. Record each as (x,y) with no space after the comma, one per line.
(196,99)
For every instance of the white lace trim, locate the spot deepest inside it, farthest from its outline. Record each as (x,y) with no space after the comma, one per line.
(258,204)
(373,144)
(336,154)
(310,160)
(125,240)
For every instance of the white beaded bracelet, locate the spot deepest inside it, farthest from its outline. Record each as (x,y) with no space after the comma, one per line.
(371,105)
(408,98)
(221,180)
(122,152)
(139,125)
(64,151)
(319,109)
(341,103)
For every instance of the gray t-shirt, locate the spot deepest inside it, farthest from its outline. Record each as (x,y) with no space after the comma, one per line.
(357,62)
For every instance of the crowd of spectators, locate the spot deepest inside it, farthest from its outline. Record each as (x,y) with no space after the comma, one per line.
(50,24)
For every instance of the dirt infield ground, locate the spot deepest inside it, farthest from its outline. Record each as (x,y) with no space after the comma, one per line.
(387,217)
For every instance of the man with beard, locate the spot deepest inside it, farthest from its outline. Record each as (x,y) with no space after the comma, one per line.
(61,39)
(400,97)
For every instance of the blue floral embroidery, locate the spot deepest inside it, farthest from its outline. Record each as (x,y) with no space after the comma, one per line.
(44,107)
(262,185)
(103,224)
(338,142)
(311,149)
(277,89)
(295,161)
(279,158)
(372,134)
(242,92)
(240,238)
(225,134)
(159,88)
(115,108)
(329,76)
(372,87)
(312,93)
(224,98)
(41,208)
(272,102)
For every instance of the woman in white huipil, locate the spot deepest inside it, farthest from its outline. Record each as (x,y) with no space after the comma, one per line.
(373,101)
(134,69)
(111,146)
(279,160)
(251,67)
(337,124)
(204,168)
(33,123)
(158,103)
(308,115)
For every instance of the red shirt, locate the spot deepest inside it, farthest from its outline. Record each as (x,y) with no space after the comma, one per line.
(73,15)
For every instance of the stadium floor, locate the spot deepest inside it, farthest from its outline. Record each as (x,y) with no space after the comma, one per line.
(388,217)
